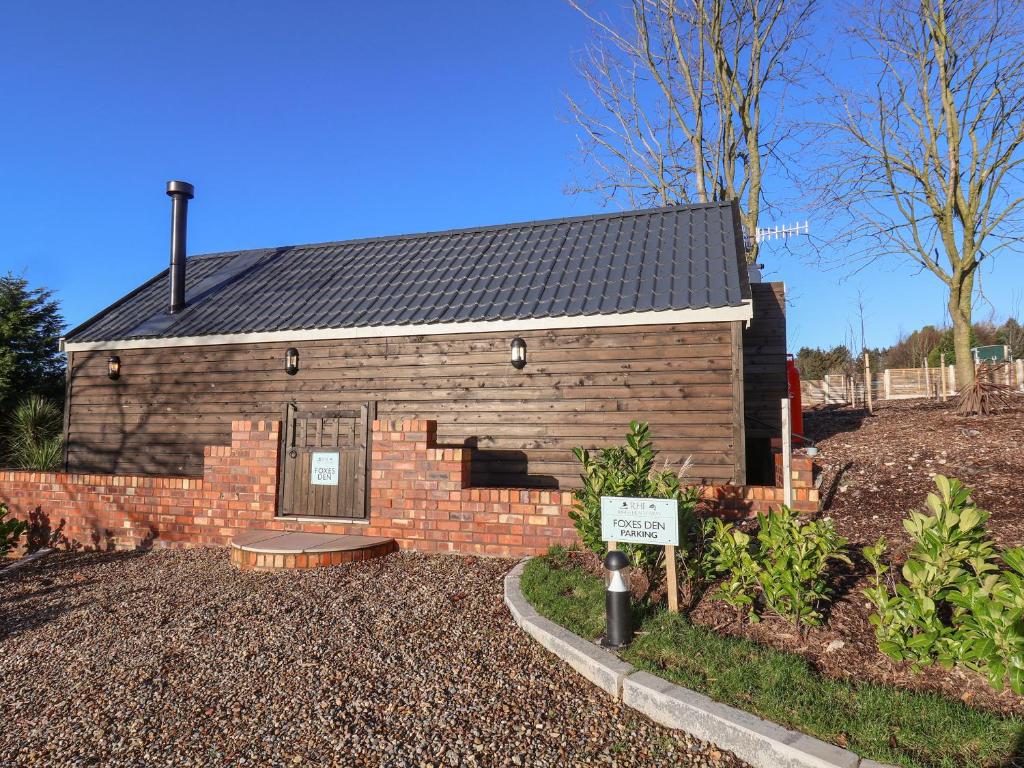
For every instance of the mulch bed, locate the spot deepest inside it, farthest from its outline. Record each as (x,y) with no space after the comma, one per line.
(875,468)
(176,658)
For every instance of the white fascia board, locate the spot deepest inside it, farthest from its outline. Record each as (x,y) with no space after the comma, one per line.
(744,313)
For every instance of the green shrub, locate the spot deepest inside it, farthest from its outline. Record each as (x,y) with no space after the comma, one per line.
(34,438)
(783,570)
(10,531)
(959,602)
(881,722)
(629,470)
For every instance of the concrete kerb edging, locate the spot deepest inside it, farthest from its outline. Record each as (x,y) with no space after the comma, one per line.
(602,668)
(759,742)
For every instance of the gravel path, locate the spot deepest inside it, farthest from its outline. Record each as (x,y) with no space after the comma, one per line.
(175,658)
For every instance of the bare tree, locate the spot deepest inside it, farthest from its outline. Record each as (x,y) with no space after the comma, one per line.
(860,315)
(686,100)
(1013,331)
(928,154)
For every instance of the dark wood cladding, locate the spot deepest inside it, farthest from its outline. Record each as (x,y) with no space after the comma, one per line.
(764,361)
(580,387)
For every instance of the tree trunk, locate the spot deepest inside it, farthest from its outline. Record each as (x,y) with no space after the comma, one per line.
(960,296)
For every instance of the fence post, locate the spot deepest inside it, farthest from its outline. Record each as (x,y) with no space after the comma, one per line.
(942,375)
(1020,374)
(952,379)
(787,455)
(887,382)
(867,381)
(927,380)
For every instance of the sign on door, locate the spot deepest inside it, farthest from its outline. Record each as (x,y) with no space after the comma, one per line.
(324,469)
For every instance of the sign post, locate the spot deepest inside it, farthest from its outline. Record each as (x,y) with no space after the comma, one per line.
(671,581)
(645,521)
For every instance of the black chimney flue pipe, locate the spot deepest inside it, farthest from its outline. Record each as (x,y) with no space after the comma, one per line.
(180,193)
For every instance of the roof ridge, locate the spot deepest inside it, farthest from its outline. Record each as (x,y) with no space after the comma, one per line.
(634,213)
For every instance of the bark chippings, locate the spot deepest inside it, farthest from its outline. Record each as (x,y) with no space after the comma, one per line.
(874,469)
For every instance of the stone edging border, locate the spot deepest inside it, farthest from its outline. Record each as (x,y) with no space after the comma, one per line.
(23,561)
(759,742)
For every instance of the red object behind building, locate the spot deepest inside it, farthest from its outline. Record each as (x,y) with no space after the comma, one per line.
(796,409)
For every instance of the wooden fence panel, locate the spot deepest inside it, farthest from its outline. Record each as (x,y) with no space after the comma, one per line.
(898,384)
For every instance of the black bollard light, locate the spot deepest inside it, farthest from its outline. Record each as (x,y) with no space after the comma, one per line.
(618,617)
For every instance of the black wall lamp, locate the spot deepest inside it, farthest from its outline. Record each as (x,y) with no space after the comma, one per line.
(113,367)
(518,353)
(291,361)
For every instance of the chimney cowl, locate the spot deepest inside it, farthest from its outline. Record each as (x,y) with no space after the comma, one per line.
(181,188)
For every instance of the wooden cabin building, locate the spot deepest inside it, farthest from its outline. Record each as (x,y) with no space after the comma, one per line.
(521,341)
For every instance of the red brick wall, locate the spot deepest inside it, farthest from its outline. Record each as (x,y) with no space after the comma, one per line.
(237,491)
(748,500)
(418,496)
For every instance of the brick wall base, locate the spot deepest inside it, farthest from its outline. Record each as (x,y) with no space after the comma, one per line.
(419,496)
(271,561)
(748,500)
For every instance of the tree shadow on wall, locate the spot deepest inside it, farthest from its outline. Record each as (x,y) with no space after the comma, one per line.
(41,534)
(126,442)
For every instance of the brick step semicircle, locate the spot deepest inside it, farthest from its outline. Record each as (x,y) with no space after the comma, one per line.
(263,550)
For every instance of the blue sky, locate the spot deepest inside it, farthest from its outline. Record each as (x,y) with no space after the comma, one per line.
(314,121)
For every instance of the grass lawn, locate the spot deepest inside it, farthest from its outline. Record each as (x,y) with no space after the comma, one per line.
(883,723)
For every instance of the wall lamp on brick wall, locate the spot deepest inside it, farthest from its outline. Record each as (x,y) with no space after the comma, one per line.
(113,367)
(518,353)
(291,361)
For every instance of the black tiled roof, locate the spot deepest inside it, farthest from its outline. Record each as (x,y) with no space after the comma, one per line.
(678,257)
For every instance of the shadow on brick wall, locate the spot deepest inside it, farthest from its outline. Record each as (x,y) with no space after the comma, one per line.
(504,469)
(41,532)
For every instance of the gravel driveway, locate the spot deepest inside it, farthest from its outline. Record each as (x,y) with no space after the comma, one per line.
(175,658)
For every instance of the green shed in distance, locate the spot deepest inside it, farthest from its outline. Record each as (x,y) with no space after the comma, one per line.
(993,353)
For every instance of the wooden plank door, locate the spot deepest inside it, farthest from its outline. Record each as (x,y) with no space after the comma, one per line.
(324,463)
